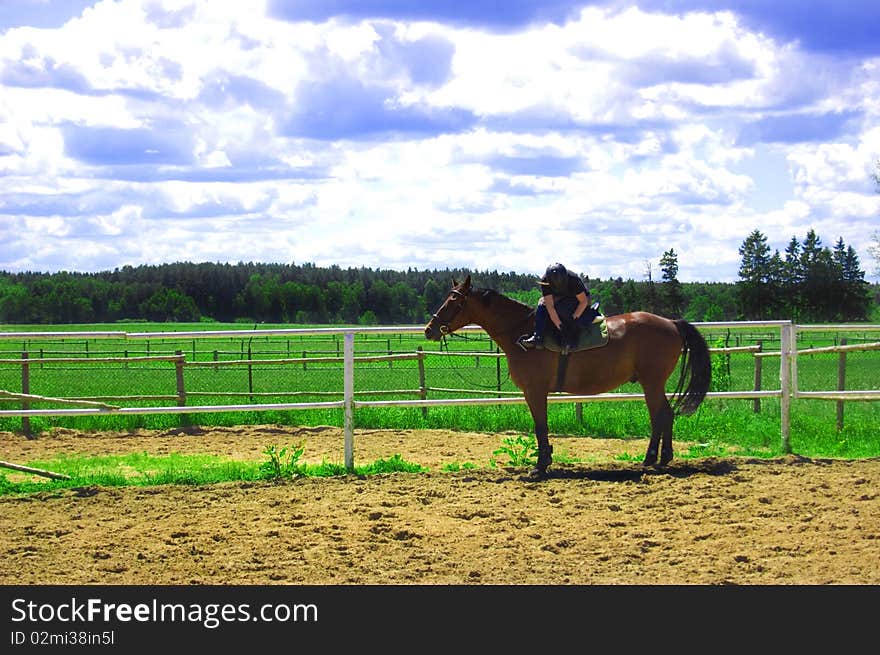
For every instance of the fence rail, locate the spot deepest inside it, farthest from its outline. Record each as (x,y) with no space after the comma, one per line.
(351,400)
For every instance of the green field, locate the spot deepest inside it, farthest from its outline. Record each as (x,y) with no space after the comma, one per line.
(466,367)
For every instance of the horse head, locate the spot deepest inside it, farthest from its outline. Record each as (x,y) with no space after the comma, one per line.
(453,312)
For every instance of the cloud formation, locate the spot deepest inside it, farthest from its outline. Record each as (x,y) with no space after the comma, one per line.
(398,134)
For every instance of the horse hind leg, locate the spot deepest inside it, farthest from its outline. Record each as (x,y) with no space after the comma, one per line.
(653,446)
(661,428)
(665,419)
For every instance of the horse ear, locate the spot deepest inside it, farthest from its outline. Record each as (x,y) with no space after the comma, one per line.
(467,282)
(454,282)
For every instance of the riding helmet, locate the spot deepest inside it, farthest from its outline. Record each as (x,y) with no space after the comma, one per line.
(556,276)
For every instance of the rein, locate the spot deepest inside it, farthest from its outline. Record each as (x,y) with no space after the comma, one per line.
(444,346)
(445,332)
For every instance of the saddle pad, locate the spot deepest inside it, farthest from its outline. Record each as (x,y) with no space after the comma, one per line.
(592,337)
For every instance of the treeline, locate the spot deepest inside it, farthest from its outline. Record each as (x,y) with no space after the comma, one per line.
(810,283)
(303,294)
(272,293)
(825,285)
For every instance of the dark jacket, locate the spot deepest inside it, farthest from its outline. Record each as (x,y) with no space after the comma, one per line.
(571,288)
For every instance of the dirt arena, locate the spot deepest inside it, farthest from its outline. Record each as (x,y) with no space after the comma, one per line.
(787,521)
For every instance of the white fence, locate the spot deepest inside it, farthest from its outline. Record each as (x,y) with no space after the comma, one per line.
(788,386)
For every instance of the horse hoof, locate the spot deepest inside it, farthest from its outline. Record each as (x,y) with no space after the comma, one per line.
(537,474)
(665,460)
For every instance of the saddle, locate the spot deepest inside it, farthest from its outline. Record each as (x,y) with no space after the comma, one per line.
(592,336)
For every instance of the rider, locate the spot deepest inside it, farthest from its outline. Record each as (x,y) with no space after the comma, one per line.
(564,299)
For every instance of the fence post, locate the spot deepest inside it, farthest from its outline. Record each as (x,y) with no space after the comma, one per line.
(793,363)
(423,389)
(26,389)
(785,367)
(181,390)
(758,365)
(841,383)
(348,400)
(498,369)
(250,376)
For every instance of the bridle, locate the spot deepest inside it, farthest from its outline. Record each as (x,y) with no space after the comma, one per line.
(455,295)
(458,297)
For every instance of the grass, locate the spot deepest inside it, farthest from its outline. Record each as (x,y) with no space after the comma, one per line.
(719,426)
(143,469)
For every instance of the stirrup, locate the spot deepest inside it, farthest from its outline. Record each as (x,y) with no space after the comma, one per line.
(534,341)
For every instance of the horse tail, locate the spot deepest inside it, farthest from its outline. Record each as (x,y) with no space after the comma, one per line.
(696,370)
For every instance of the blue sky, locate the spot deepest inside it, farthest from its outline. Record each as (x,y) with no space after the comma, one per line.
(394,134)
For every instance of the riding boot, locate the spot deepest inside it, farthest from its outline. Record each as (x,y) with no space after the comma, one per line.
(536,341)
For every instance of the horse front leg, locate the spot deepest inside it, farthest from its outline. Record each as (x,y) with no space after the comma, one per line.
(538,408)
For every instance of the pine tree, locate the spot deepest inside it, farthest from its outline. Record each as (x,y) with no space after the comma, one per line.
(817,264)
(754,273)
(792,278)
(672,294)
(858,299)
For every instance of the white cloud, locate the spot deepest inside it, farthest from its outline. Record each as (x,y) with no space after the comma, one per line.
(601,142)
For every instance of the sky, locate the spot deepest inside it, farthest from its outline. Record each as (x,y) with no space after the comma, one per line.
(428,134)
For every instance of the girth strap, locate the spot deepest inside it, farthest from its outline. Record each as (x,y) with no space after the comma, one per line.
(561,370)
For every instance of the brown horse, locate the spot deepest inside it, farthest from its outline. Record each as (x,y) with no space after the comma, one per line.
(641,347)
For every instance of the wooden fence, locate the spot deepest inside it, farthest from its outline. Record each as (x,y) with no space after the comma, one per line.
(787,390)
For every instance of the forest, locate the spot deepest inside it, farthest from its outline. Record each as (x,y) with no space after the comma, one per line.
(809,283)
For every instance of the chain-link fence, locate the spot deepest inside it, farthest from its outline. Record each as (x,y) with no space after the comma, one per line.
(247,368)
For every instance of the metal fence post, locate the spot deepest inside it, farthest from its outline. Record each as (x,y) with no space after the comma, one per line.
(348,399)
(26,389)
(250,370)
(423,390)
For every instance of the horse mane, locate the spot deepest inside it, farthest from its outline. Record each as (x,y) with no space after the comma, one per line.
(491,296)
(511,311)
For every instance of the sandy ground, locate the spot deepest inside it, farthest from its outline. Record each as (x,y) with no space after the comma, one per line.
(787,521)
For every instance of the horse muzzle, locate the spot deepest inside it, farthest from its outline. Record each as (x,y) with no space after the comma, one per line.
(434,332)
